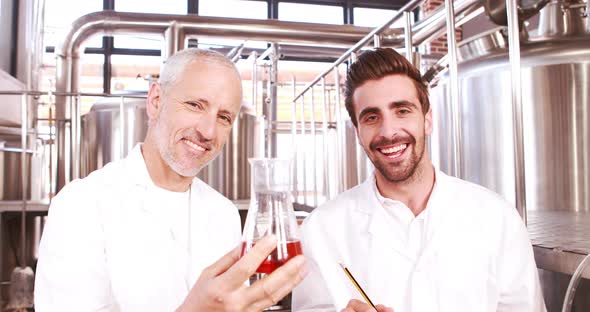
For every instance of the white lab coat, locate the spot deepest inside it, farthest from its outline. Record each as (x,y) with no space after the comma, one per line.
(106,246)
(476,254)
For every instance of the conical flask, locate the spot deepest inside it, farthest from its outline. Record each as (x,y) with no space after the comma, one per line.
(271,212)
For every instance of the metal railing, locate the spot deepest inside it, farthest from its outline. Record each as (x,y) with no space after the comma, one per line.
(423,32)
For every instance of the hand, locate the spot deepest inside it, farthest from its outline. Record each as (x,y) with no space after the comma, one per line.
(360,306)
(221,286)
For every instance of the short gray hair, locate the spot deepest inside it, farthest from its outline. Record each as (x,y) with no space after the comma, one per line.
(177,63)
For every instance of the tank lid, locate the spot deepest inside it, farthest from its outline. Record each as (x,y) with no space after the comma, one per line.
(110,103)
(483,43)
(563,18)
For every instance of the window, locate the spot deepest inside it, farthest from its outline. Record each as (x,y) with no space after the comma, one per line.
(311,13)
(130,72)
(59,16)
(376,17)
(139,41)
(152,6)
(233,8)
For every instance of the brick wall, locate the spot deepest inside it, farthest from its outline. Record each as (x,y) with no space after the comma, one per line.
(438,45)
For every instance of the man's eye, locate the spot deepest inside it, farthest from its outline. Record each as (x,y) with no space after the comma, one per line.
(194,105)
(404,111)
(225,119)
(370,118)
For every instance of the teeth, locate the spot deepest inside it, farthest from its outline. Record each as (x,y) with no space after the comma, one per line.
(193,145)
(394,149)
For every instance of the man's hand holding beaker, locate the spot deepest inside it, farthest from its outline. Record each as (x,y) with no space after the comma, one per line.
(221,286)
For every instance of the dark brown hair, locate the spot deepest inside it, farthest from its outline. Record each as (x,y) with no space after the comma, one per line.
(376,64)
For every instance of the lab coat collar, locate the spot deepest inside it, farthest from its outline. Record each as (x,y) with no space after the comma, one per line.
(139,176)
(379,230)
(137,169)
(141,180)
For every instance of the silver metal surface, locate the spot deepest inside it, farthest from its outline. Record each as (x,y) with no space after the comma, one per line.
(564,18)
(567,231)
(24,176)
(274,100)
(326,173)
(517,127)
(11,175)
(294,141)
(376,41)
(304,158)
(484,43)
(453,95)
(341,174)
(177,29)
(408,34)
(110,130)
(435,24)
(105,138)
(499,10)
(314,166)
(555,76)
(17,206)
(408,7)
(561,240)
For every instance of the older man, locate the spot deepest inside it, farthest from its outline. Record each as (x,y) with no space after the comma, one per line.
(142,233)
(414,238)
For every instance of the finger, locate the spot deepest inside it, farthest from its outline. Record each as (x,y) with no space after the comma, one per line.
(359,306)
(268,291)
(382,308)
(224,263)
(247,265)
(347,310)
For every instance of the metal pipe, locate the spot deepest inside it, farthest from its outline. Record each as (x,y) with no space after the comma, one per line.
(178,28)
(325,140)
(408,35)
(24,179)
(378,30)
(339,135)
(255,82)
(431,27)
(454,88)
(376,41)
(272,118)
(122,123)
(76,135)
(294,137)
(112,22)
(173,41)
(265,54)
(515,76)
(304,166)
(235,51)
(314,151)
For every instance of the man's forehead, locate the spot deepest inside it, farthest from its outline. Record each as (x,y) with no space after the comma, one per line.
(391,88)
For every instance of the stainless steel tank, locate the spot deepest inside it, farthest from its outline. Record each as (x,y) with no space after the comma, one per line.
(11,176)
(105,138)
(556,99)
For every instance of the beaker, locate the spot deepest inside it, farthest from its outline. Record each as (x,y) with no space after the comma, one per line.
(271,212)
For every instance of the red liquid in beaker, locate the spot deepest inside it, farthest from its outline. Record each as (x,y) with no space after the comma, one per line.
(276,258)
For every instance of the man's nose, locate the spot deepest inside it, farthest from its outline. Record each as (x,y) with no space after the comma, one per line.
(389,128)
(207,126)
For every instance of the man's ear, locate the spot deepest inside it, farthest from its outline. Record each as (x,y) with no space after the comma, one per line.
(154,101)
(428,122)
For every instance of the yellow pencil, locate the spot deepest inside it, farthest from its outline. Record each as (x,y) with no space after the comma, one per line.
(356,284)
